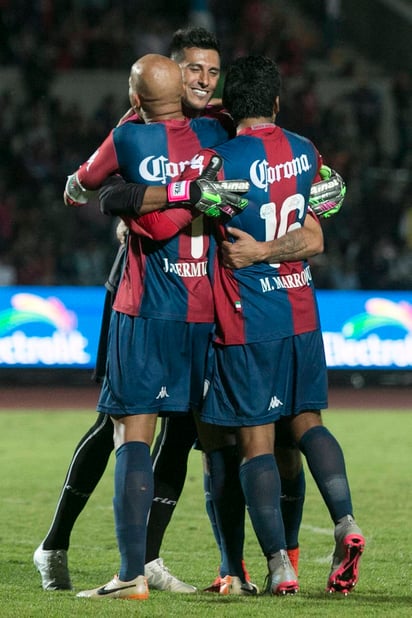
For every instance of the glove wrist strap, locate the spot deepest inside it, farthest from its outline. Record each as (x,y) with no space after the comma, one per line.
(178,191)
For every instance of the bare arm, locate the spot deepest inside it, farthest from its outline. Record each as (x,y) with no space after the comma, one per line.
(155,198)
(299,244)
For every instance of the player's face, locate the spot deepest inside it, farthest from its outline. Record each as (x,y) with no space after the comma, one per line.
(201,72)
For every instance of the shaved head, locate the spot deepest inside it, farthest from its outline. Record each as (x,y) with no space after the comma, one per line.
(155,86)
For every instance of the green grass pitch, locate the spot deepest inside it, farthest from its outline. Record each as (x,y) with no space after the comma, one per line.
(37,447)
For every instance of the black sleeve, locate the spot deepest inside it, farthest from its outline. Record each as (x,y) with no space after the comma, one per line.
(120,198)
(113,279)
(111,286)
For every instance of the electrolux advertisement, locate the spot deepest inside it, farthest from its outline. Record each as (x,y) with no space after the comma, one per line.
(58,327)
(367,330)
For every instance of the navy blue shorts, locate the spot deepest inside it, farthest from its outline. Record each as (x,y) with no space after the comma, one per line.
(259,383)
(154,366)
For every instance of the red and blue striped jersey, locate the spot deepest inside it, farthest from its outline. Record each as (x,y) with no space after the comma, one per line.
(164,279)
(264,302)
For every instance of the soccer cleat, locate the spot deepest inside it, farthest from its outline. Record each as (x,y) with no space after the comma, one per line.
(52,566)
(136,589)
(281,579)
(159,578)
(230,584)
(349,547)
(215,586)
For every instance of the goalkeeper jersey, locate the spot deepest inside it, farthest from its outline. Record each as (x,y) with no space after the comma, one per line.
(162,278)
(265,302)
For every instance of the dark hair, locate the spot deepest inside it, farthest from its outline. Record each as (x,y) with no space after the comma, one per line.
(192,37)
(251,86)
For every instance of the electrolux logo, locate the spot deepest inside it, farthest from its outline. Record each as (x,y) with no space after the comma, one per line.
(379,337)
(40,331)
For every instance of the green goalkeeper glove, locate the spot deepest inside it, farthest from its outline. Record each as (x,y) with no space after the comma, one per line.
(327,195)
(208,195)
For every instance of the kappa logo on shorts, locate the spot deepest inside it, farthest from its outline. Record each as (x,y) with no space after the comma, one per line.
(162,393)
(275,403)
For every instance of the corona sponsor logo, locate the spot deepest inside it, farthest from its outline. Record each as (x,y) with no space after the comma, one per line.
(262,174)
(160,170)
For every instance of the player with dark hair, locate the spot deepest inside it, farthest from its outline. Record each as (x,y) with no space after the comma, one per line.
(197,52)
(267,328)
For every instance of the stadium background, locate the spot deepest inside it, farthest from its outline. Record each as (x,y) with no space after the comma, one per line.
(347,85)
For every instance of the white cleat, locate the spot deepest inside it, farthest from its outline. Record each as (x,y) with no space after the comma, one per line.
(160,578)
(136,589)
(52,566)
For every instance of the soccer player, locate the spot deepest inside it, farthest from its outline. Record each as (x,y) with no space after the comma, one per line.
(268,363)
(198,54)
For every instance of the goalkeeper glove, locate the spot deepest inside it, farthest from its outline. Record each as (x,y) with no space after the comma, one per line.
(209,196)
(74,193)
(327,195)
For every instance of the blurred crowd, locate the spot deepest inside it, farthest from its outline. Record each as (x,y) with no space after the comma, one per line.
(330,96)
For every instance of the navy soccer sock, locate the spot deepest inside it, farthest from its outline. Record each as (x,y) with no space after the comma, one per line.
(86,468)
(228,508)
(133,481)
(291,502)
(261,486)
(327,465)
(210,510)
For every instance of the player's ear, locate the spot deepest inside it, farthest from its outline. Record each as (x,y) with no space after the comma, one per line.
(135,101)
(276,107)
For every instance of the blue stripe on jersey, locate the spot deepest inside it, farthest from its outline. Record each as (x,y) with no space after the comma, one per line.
(142,152)
(207,127)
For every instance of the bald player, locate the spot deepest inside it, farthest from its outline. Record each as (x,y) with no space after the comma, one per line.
(163,304)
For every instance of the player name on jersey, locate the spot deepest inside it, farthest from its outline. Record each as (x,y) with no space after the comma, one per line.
(294,280)
(185,269)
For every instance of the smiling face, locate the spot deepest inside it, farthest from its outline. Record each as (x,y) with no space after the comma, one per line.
(201,72)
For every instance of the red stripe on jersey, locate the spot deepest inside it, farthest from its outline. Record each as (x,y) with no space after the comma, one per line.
(130,292)
(99,166)
(228,307)
(304,311)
